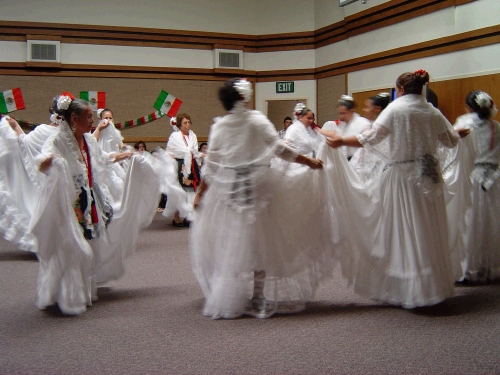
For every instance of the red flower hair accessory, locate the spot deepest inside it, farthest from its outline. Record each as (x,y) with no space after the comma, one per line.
(420,72)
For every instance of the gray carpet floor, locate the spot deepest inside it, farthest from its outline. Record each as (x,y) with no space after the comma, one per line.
(150,322)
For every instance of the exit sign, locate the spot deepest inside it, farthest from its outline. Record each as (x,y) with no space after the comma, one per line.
(282,87)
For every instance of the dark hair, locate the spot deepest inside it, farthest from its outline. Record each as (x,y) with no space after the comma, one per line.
(228,94)
(180,117)
(136,145)
(380,100)
(344,102)
(201,145)
(105,110)
(77,106)
(470,100)
(287,118)
(413,83)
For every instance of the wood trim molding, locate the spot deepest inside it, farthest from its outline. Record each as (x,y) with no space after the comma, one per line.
(382,15)
(458,42)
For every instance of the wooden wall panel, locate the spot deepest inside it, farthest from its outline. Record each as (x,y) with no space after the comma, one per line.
(360,97)
(329,91)
(128,98)
(451,93)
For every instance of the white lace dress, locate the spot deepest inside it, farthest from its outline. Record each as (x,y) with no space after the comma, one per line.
(410,263)
(244,222)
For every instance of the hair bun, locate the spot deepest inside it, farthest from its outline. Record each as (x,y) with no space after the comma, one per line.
(421,76)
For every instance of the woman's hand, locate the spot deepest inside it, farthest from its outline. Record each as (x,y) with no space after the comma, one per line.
(335,141)
(463,132)
(186,181)
(14,125)
(197,200)
(314,163)
(46,164)
(103,124)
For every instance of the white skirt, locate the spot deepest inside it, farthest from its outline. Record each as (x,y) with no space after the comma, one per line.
(410,263)
(483,240)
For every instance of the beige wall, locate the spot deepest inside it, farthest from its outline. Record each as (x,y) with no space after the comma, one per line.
(127,98)
(329,91)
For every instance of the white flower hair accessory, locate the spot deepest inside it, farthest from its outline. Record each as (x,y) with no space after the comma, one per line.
(99,111)
(344,98)
(63,102)
(383,94)
(483,100)
(56,119)
(299,107)
(244,88)
(173,123)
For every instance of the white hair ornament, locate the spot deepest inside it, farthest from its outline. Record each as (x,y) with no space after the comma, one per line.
(244,88)
(99,112)
(483,100)
(346,98)
(299,107)
(56,119)
(173,123)
(63,102)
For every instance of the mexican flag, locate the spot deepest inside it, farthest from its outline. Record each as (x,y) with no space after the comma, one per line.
(11,100)
(97,99)
(167,104)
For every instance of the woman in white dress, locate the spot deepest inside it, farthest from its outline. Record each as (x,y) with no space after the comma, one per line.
(472,177)
(367,165)
(83,236)
(349,123)
(410,263)
(236,250)
(183,146)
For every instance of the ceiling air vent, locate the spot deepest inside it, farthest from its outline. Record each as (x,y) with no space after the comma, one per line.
(229,59)
(43,50)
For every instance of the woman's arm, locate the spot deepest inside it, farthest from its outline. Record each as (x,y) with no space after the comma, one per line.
(15,125)
(122,156)
(103,124)
(201,191)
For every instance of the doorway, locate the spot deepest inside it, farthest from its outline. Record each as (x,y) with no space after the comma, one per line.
(278,109)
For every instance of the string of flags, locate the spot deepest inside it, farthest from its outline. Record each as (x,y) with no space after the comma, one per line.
(165,104)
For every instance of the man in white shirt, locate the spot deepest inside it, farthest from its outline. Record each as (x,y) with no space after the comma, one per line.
(348,124)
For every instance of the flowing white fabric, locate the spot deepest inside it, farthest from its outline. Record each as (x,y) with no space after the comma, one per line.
(471,175)
(70,265)
(410,263)
(20,182)
(255,218)
(346,212)
(356,125)
(110,141)
(368,167)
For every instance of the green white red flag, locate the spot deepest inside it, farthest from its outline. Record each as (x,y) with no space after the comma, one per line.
(11,100)
(97,99)
(167,104)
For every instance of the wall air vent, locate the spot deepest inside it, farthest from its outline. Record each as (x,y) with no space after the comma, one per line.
(228,59)
(43,50)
